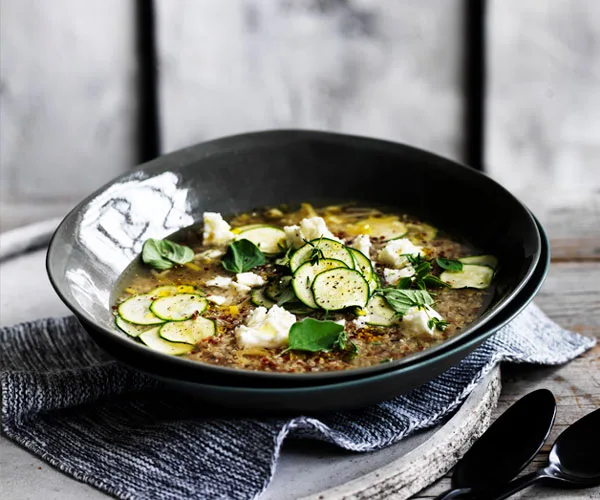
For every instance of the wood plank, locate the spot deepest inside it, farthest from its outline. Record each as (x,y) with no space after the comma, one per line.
(379,68)
(543,107)
(67,102)
(571,297)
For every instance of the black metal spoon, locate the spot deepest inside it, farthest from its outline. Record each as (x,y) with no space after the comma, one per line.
(574,460)
(508,445)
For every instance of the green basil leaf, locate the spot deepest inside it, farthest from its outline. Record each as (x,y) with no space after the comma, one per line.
(287,295)
(404,283)
(243,255)
(179,254)
(449,264)
(163,254)
(313,335)
(432,280)
(402,300)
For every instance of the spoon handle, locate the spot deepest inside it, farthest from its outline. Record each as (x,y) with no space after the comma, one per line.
(455,493)
(515,485)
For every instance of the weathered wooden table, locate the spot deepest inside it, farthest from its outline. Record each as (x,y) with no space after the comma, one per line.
(570,296)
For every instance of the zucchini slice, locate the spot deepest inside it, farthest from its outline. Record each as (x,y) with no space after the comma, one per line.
(421,232)
(340,288)
(136,310)
(129,328)
(268,239)
(260,299)
(387,227)
(329,249)
(154,341)
(362,263)
(379,312)
(481,260)
(168,290)
(178,307)
(190,331)
(305,276)
(471,276)
(374,283)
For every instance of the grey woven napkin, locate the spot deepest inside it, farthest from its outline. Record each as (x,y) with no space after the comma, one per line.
(108,426)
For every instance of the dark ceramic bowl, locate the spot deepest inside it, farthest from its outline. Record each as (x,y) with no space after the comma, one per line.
(105,232)
(359,392)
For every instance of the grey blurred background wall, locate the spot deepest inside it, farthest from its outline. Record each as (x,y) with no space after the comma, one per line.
(80,101)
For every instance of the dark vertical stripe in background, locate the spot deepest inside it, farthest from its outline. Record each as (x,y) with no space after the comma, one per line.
(148,114)
(474,82)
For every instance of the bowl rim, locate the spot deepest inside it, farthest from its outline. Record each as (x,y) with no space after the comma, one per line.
(208,148)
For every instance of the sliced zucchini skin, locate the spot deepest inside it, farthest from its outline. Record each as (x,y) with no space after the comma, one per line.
(154,341)
(362,263)
(267,238)
(331,249)
(481,260)
(136,310)
(129,328)
(190,331)
(260,299)
(374,283)
(179,307)
(379,312)
(305,276)
(340,288)
(471,276)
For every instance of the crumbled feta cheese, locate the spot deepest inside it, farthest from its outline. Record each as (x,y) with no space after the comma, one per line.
(361,321)
(362,243)
(239,288)
(309,229)
(393,276)
(293,236)
(220,282)
(266,329)
(216,230)
(341,322)
(211,253)
(416,319)
(391,254)
(314,228)
(250,279)
(216,299)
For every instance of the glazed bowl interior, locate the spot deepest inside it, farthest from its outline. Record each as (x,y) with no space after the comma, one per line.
(104,233)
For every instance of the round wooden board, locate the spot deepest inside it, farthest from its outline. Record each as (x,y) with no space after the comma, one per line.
(306,469)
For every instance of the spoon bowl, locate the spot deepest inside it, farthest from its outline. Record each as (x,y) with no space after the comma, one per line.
(511,442)
(574,460)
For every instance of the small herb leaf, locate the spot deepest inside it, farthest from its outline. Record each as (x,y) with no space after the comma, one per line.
(163,254)
(450,265)
(284,260)
(243,255)
(313,335)
(440,324)
(402,300)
